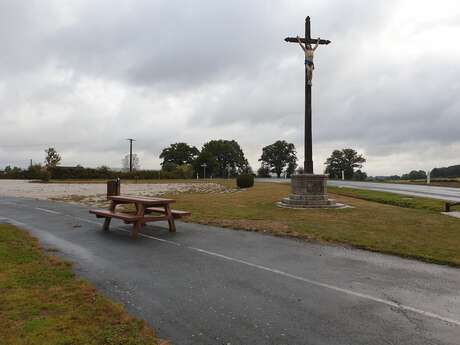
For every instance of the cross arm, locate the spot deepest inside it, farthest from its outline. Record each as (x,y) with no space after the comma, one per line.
(303,40)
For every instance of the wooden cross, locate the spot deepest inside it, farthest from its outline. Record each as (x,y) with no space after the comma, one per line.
(308,163)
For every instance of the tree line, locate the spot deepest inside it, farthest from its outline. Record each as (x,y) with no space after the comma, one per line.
(216,158)
(452,171)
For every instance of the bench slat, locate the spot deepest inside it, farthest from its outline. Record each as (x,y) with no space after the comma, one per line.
(120,215)
(175,213)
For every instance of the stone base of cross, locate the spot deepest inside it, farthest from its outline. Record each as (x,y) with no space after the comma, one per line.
(309,191)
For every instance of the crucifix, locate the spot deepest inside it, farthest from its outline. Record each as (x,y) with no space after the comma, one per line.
(307,41)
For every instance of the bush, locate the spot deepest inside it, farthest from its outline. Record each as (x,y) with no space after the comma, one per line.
(359,175)
(168,167)
(103,172)
(245,181)
(44,175)
(264,171)
(185,171)
(174,171)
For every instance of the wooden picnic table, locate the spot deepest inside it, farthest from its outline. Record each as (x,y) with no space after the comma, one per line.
(147,210)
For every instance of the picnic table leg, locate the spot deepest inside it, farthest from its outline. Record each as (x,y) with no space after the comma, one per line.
(137,225)
(135,230)
(107,220)
(170,217)
(446,207)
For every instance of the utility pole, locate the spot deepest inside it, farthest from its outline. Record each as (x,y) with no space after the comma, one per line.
(130,154)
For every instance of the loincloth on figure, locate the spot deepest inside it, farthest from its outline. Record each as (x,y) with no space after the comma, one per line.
(309,63)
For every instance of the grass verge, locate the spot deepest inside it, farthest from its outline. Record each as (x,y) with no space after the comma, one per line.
(41,302)
(400,200)
(416,230)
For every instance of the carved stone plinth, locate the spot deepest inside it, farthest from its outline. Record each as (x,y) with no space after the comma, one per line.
(309,191)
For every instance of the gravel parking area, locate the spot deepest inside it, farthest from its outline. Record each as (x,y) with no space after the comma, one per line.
(94,193)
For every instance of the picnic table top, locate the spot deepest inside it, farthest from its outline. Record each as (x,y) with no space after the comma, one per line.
(141,199)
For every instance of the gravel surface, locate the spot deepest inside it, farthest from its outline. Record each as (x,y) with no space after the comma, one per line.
(94,193)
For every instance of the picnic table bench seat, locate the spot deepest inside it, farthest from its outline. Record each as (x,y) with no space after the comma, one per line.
(175,213)
(125,216)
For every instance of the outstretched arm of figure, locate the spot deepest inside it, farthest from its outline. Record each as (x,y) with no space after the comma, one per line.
(300,43)
(317,44)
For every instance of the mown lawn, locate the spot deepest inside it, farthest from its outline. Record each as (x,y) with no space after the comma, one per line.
(400,200)
(379,223)
(42,303)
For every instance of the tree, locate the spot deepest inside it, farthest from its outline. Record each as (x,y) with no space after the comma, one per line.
(290,170)
(345,160)
(279,155)
(52,158)
(13,172)
(359,175)
(168,166)
(222,157)
(136,162)
(451,171)
(208,159)
(179,154)
(263,171)
(414,175)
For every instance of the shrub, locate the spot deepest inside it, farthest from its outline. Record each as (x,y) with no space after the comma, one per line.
(263,171)
(185,171)
(44,175)
(245,181)
(169,167)
(359,175)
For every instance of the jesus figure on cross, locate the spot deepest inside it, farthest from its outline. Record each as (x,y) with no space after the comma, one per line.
(309,52)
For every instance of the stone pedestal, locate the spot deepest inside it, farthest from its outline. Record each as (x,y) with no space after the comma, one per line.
(308,191)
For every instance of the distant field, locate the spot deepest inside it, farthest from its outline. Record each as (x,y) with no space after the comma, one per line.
(450,182)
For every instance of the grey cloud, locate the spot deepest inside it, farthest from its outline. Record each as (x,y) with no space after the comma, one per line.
(85,75)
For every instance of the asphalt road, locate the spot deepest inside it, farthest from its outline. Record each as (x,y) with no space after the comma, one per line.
(205,285)
(433,192)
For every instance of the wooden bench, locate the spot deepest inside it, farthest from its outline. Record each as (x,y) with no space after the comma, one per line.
(126,217)
(176,213)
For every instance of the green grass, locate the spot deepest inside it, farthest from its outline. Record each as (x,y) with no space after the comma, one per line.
(41,302)
(390,198)
(416,230)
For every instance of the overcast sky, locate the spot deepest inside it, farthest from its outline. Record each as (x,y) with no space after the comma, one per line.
(82,76)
